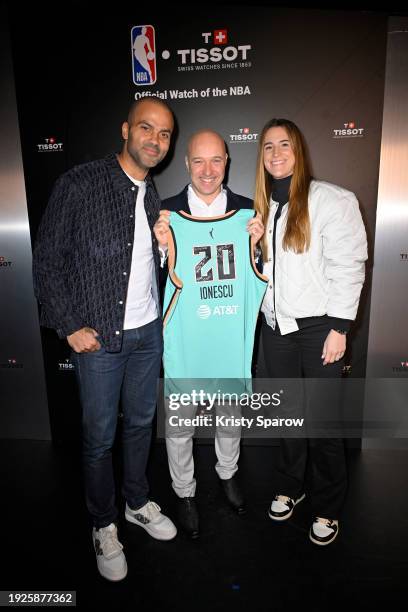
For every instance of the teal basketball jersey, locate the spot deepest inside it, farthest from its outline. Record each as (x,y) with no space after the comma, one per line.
(212,298)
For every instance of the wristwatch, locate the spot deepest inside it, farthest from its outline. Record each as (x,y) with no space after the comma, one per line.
(343,332)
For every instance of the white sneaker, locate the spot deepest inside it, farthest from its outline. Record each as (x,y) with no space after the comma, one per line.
(109,556)
(323,531)
(282,507)
(152,520)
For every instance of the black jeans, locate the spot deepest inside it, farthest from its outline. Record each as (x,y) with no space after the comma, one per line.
(292,356)
(104,378)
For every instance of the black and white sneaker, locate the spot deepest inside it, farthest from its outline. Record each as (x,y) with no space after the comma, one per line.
(323,531)
(110,558)
(152,520)
(282,507)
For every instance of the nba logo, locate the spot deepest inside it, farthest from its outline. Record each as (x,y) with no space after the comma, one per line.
(143,55)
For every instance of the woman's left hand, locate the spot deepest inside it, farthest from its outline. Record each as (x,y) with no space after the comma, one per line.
(334,347)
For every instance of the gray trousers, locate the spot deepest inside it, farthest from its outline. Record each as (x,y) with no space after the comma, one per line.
(181,462)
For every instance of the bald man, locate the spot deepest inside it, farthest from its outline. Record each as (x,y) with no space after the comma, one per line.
(205,196)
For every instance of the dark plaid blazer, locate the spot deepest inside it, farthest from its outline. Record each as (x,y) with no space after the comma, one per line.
(83,252)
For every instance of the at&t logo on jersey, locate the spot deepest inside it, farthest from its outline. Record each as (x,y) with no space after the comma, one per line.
(204,311)
(143,55)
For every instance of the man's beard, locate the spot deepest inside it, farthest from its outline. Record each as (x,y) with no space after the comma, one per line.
(142,163)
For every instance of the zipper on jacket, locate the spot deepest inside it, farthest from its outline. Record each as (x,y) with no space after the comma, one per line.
(275,223)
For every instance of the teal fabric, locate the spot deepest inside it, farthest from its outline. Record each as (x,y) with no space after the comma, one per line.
(210,322)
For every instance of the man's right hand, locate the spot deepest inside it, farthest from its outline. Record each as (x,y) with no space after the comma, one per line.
(84,340)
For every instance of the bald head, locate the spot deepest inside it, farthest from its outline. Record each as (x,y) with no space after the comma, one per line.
(206,161)
(205,136)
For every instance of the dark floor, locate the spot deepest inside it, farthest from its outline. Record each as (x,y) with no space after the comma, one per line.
(238,563)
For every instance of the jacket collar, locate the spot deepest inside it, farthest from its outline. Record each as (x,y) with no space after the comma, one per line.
(120,181)
(232,203)
(231,200)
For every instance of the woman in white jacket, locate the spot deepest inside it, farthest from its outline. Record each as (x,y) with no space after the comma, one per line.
(314,249)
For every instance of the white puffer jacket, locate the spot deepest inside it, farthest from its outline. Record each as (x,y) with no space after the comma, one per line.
(327,279)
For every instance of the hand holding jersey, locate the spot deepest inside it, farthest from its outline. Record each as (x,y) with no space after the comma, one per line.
(161,228)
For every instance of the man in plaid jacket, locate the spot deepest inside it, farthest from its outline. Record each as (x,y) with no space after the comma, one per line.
(96,262)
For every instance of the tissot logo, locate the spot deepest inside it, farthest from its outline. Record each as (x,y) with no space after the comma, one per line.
(11,364)
(404,256)
(50,145)
(349,130)
(66,366)
(401,367)
(218,49)
(214,54)
(220,37)
(243,135)
(4,263)
(347,369)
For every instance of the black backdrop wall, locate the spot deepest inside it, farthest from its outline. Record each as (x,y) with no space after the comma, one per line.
(74,81)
